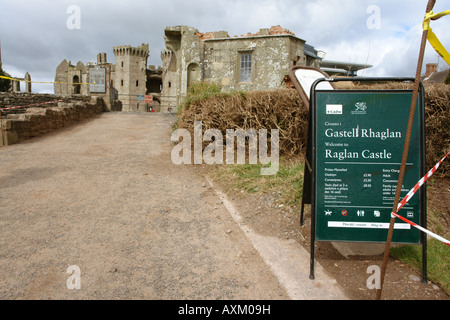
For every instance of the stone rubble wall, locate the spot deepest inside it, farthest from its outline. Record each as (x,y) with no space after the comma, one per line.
(36,121)
(14,99)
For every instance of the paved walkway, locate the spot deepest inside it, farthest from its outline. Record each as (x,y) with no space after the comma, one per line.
(105,197)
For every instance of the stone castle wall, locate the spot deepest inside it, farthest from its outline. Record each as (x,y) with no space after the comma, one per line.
(13,99)
(26,123)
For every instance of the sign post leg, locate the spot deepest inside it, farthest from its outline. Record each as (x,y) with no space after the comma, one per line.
(313,240)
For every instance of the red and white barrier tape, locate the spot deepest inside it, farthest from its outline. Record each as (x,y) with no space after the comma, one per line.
(411,194)
(31,105)
(447,242)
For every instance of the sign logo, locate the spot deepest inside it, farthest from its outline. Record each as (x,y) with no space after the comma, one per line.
(360,108)
(334,108)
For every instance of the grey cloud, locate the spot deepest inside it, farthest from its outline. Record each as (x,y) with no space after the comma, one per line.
(35,37)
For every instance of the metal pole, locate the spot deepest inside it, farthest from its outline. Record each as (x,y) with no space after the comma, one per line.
(430,6)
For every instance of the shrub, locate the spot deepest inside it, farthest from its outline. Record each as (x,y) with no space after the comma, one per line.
(447,80)
(284,110)
(5,84)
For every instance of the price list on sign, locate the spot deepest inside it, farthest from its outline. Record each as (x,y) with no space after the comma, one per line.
(359,139)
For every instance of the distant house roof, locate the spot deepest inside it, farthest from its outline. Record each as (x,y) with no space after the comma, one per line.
(436,77)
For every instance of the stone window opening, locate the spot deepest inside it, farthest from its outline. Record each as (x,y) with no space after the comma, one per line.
(76,85)
(137,83)
(246,67)
(193,74)
(121,83)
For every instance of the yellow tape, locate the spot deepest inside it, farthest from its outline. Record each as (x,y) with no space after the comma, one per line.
(434,41)
(58,82)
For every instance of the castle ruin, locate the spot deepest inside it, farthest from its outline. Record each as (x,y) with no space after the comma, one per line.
(250,62)
(121,85)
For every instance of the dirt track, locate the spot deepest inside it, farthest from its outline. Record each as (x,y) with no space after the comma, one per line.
(105,196)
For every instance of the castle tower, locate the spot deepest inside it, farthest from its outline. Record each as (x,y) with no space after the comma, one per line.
(169,94)
(130,75)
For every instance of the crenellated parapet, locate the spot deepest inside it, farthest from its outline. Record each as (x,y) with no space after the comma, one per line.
(140,51)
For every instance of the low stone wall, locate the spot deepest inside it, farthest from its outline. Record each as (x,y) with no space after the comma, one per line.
(36,121)
(14,99)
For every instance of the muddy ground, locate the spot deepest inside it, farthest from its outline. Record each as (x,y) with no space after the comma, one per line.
(401,282)
(105,196)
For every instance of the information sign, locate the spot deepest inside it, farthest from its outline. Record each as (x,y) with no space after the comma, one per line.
(358,140)
(97,78)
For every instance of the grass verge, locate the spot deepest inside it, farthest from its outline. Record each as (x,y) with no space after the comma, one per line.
(288,185)
(438,261)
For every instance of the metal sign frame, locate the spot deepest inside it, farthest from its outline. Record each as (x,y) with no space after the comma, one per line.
(304,90)
(303,85)
(310,179)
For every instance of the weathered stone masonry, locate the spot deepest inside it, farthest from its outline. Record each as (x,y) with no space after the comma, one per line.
(250,62)
(121,85)
(35,121)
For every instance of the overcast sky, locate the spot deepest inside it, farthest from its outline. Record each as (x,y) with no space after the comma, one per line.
(35,36)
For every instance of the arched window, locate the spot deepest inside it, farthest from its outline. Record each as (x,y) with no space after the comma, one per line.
(193,74)
(76,85)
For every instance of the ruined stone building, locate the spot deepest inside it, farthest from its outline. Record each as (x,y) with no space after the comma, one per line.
(15,84)
(122,85)
(258,61)
(250,62)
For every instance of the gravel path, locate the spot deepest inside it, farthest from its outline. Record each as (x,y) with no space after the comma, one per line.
(105,196)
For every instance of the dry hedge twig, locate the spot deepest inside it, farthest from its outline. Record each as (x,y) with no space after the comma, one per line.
(284,110)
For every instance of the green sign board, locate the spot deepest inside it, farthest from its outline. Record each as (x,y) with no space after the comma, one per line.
(358,140)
